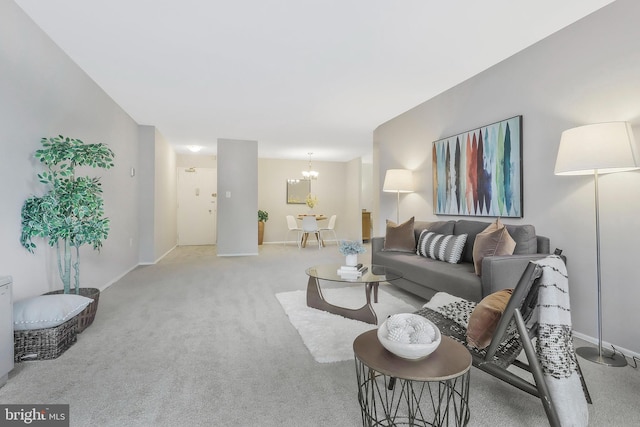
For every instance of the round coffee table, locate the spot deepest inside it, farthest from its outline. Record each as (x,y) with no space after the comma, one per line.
(371,278)
(430,392)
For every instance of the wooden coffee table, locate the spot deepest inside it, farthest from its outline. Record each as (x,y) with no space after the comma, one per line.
(370,279)
(430,392)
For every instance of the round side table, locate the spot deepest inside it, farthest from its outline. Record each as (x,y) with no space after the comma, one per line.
(398,392)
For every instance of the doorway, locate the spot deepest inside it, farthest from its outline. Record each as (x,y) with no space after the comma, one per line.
(197,206)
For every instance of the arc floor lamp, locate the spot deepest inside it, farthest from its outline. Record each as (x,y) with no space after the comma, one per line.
(398,181)
(594,150)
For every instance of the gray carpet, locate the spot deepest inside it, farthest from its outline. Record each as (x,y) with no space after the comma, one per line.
(198,340)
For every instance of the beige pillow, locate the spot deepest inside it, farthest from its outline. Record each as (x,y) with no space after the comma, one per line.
(400,238)
(493,240)
(485,317)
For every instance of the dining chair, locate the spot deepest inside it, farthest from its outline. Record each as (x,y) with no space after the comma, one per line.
(330,227)
(292,225)
(310,225)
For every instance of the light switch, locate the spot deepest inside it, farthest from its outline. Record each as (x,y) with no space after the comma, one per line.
(228,194)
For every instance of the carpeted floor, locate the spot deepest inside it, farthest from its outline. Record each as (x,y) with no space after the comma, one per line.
(328,337)
(201,340)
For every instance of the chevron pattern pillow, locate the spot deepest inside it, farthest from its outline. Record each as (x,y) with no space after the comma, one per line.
(443,247)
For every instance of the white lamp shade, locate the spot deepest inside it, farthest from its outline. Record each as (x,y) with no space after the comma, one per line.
(602,147)
(398,180)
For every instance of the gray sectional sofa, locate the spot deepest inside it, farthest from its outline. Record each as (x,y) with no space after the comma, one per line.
(425,276)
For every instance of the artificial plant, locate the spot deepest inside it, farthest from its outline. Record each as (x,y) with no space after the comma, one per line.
(71,212)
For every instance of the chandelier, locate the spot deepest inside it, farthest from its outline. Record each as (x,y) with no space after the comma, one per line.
(310,174)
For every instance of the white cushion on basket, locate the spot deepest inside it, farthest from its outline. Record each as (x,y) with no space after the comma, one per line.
(47,311)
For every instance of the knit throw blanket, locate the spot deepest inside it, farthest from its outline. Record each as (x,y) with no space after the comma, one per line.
(554,344)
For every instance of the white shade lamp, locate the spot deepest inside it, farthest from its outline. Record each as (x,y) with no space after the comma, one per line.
(593,150)
(398,181)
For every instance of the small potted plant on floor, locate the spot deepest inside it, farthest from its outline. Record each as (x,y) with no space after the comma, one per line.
(263,216)
(71,211)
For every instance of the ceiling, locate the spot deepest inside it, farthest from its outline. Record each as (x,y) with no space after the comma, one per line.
(298,76)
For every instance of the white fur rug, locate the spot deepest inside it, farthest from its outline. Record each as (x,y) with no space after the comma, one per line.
(329,337)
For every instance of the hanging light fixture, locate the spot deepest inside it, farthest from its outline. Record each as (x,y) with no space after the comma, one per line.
(310,174)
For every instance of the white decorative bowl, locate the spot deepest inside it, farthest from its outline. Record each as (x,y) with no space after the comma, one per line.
(407,350)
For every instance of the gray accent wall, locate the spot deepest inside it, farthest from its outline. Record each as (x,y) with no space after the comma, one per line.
(43,93)
(237,197)
(158,196)
(586,73)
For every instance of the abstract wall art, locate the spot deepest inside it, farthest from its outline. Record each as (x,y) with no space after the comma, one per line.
(479,172)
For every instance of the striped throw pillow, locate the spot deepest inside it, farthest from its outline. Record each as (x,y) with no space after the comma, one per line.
(443,247)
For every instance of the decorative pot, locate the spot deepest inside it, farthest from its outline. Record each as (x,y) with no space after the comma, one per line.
(260,232)
(86,316)
(352,260)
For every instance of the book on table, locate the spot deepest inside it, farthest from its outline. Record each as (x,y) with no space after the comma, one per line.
(349,275)
(352,274)
(351,267)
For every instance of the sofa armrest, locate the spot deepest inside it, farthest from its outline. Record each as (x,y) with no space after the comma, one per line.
(377,244)
(501,272)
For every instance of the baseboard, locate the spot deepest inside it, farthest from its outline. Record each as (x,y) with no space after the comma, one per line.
(106,285)
(606,345)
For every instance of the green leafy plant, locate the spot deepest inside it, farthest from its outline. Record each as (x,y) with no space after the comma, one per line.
(263,216)
(71,212)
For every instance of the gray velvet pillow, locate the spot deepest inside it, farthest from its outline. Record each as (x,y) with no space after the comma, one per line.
(400,238)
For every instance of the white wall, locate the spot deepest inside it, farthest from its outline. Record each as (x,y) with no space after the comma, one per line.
(43,94)
(586,73)
(329,188)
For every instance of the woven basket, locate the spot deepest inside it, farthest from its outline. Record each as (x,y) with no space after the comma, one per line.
(46,343)
(86,316)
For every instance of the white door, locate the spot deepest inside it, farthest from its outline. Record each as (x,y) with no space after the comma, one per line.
(197,206)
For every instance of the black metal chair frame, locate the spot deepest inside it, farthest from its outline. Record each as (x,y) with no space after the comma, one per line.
(501,352)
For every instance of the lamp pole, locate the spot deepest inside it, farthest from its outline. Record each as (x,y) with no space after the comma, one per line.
(599,355)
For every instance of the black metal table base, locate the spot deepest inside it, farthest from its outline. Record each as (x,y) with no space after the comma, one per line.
(389,401)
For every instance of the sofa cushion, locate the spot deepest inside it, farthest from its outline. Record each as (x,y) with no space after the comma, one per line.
(524,236)
(494,240)
(441,227)
(457,279)
(400,237)
(485,317)
(443,247)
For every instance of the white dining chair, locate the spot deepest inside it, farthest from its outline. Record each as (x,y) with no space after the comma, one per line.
(292,225)
(330,228)
(309,226)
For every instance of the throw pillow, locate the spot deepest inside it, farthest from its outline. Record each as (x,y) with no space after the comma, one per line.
(443,247)
(485,317)
(493,240)
(47,311)
(400,237)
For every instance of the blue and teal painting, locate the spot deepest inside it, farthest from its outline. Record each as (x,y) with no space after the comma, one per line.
(479,173)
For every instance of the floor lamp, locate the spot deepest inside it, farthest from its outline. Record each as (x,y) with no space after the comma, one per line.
(593,150)
(398,181)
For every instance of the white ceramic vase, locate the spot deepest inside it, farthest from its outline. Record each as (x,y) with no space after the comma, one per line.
(352,260)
